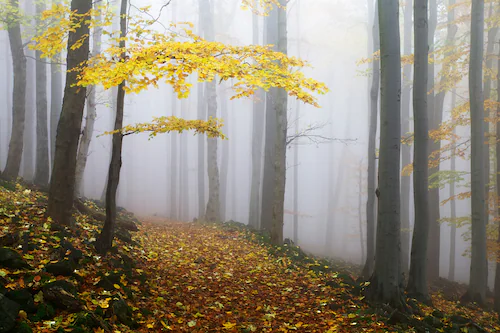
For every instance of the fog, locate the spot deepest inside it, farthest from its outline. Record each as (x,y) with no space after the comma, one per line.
(332,35)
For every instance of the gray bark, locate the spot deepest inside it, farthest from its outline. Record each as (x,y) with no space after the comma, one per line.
(202,115)
(435,119)
(453,204)
(479,266)
(18,99)
(360,211)
(184,170)
(406,149)
(417,280)
(213,205)
(88,130)
(174,166)
(224,163)
(280,110)
(55,101)
(372,135)
(258,123)
(296,148)
(496,289)
(268,172)
(386,279)
(62,182)
(42,134)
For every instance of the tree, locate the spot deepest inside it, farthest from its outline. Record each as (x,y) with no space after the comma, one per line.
(19,92)
(435,119)
(453,203)
(202,114)
(42,135)
(496,289)
(372,135)
(417,280)
(258,123)
(386,280)
(55,100)
(88,130)
(105,240)
(405,149)
(479,267)
(62,183)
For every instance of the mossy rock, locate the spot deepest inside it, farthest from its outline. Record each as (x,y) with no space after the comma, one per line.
(64,267)
(44,311)
(9,310)
(23,327)
(10,258)
(24,298)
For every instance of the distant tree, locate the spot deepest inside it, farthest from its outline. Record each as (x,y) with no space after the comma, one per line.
(453,204)
(372,136)
(479,267)
(496,289)
(13,24)
(62,183)
(417,279)
(405,129)
(56,74)
(386,280)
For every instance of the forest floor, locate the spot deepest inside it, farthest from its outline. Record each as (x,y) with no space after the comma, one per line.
(187,277)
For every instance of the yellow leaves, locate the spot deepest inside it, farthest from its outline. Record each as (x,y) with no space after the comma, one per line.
(228,325)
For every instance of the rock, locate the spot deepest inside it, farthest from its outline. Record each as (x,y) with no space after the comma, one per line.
(74,255)
(124,235)
(62,299)
(433,321)
(9,239)
(438,314)
(122,312)
(24,298)
(289,242)
(63,267)
(23,327)
(9,311)
(126,225)
(44,311)
(108,281)
(459,320)
(11,259)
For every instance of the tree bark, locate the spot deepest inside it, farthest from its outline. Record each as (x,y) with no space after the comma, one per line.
(268,171)
(372,154)
(479,267)
(62,183)
(42,135)
(417,280)
(280,110)
(55,101)
(296,147)
(386,279)
(88,130)
(18,100)
(258,123)
(453,204)
(184,170)
(406,149)
(435,119)
(496,289)
(224,164)
(105,240)
(202,115)
(212,212)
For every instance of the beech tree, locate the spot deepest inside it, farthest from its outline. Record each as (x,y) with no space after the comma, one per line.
(386,280)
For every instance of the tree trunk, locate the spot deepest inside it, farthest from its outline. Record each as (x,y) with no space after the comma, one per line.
(270,135)
(224,164)
(213,205)
(184,170)
(202,115)
(296,147)
(435,119)
(417,280)
(372,154)
(18,100)
(258,123)
(453,204)
(360,211)
(386,279)
(479,265)
(406,149)
(42,135)
(88,130)
(105,240)
(496,289)
(280,109)
(55,101)
(174,161)
(62,183)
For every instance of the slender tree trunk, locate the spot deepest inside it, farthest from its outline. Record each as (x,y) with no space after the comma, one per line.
(280,109)
(360,211)
(296,147)
(184,170)
(174,159)
(479,265)
(42,135)
(213,205)
(453,203)
(55,101)
(105,239)
(258,123)
(62,183)
(88,130)
(406,149)
(224,164)
(372,154)
(18,100)
(417,280)
(435,119)
(202,115)
(386,279)
(496,289)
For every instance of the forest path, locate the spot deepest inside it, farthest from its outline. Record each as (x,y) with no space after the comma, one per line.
(206,278)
